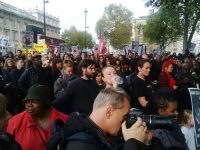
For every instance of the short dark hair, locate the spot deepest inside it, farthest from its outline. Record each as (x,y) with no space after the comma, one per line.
(84,64)
(141,63)
(162,97)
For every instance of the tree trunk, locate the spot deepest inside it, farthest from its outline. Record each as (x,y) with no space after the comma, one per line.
(185,32)
(193,30)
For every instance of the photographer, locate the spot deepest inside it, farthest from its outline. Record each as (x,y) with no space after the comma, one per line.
(110,109)
(169,138)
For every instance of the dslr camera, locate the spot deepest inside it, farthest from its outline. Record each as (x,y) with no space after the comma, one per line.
(152,121)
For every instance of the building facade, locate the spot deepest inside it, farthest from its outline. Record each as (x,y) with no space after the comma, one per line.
(139,43)
(13,22)
(177,47)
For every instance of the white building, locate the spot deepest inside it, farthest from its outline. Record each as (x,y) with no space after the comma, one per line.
(14,20)
(177,47)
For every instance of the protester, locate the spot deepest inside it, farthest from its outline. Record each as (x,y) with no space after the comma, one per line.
(165,78)
(110,110)
(98,77)
(81,92)
(31,128)
(171,137)
(188,129)
(7,142)
(67,74)
(9,64)
(141,88)
(35,75)
(56,68)
(109,77)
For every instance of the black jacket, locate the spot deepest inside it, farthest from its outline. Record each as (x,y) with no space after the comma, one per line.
(7,142)
(31,77)
(164,139)
(99,141)
(79,96)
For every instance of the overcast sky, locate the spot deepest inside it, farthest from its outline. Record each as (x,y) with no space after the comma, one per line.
(71,12)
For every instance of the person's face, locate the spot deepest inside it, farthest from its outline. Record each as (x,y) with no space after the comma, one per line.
(29,56)
(190,121)
(145,69)
(59,65)
(83,56)
(116,116)
(126,67)
(101,59)
(19,53)
(10,63)
(171,109)
(169,68)
(20,64)
(99,78)
(89,71)
(92,57)
(45,57)
(4,121)
(120,58)
(66,57)
(50,55)
(130,55)
(118,62)
(33,107)
(108,75)
(68,71)
(37,62)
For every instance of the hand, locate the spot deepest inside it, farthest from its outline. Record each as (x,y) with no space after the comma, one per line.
(148,137)
(155,82)
(136,131)
(175,87)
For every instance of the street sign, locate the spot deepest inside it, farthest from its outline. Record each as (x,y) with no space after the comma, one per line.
(27,39)
(195,99)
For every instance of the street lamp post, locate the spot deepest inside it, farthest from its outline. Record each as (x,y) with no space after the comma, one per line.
(44,2)
(85,27)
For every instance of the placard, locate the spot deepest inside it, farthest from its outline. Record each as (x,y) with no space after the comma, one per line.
(27,39)
(195,99)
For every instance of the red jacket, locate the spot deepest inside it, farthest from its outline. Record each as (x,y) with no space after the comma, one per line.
(28,134)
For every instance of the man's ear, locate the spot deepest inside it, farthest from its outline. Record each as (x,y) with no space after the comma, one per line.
(109,112)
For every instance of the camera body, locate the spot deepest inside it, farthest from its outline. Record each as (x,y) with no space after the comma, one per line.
(152,121)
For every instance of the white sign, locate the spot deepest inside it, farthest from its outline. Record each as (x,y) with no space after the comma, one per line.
(4,40)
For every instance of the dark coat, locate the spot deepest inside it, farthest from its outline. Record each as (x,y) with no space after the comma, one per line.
(99,141)
(164,139)
(79,97)
(7,142)
(31,77)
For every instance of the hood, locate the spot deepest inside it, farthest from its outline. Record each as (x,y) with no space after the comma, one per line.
(77,122)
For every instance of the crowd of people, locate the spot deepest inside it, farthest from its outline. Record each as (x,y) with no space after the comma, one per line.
(40,89)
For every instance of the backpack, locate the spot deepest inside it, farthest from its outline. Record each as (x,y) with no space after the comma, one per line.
(60,138)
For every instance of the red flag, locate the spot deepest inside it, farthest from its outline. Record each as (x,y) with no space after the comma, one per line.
(102,47)
(101,44)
